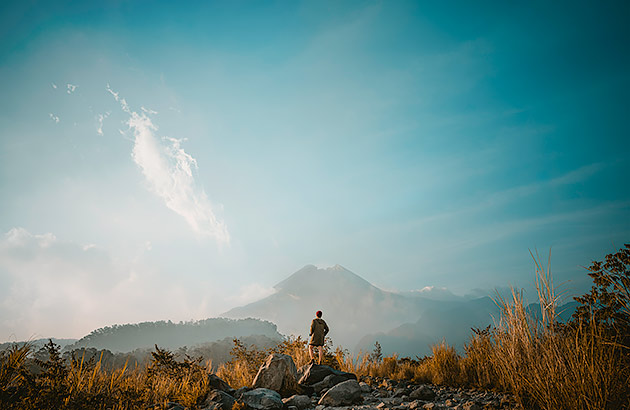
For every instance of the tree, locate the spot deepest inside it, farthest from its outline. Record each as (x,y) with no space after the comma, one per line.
(608,302)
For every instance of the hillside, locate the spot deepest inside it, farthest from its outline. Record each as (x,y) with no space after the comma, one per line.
(128,337)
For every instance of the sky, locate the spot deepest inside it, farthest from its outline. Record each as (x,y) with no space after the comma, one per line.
(171,160)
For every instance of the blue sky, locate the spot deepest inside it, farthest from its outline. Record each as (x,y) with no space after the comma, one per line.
(164,160)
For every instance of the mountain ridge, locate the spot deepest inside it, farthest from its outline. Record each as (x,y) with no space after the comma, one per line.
(352,306)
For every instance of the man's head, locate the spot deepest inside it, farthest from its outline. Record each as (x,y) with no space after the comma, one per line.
(318,313)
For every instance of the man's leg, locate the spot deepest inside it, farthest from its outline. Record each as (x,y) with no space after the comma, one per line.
(310,350)
(321,353)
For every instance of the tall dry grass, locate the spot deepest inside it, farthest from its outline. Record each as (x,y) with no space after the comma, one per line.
(84,384)
(546,364)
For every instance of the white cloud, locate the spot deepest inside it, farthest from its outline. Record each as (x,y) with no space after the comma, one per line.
(53,85)
(169,171)
(54,117)
(101,118)
(50,287)
(148,110)
(70,88)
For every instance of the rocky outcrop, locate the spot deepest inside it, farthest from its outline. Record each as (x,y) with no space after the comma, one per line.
(373,393)
(278,373)
(342,394)
(262,399)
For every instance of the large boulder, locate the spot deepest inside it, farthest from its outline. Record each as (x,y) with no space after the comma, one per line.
(262,399)
(223,400)
(218,383)
(278,373)
(343,394)
(315,373)
(332,380)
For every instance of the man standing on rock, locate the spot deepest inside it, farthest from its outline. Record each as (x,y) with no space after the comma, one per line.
(319,329)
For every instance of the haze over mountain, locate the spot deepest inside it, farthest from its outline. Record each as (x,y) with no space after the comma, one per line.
(360,313)
(352,306)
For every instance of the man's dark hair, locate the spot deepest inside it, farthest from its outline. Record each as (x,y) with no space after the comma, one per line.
(319,313)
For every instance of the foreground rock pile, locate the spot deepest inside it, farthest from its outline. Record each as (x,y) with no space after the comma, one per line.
(280,386)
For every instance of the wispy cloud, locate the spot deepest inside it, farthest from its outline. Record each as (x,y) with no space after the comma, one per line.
(101,118)
(54,117)
(500,198)
(70,88)
(53,85)
(168,169)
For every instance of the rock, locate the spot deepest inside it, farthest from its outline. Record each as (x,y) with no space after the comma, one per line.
(279,374)
(471,405)
(292,408)
(239,392)
(219,384)
(365,388)
(174,406)
(262,399)
(433,406)
(343,394)
(386,384)
(400,392)
(423,393)
(381,405)
(299,401)
(415,404)
(315,373)
(332,380)
(221,398)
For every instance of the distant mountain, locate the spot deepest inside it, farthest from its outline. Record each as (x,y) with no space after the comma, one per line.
(352,306)
(450,323)
(359,314)
(126,338)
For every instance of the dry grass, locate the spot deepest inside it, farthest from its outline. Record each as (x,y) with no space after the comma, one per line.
(545,364)
(83,384)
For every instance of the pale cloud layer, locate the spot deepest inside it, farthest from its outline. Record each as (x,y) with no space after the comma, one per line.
(168,169)
(51,287)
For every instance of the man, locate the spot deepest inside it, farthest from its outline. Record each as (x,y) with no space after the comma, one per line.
(319,329)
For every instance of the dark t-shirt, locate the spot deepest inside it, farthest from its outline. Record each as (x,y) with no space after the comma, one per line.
(319,329)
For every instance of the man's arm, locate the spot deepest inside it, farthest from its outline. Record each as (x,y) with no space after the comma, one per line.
(326,329)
